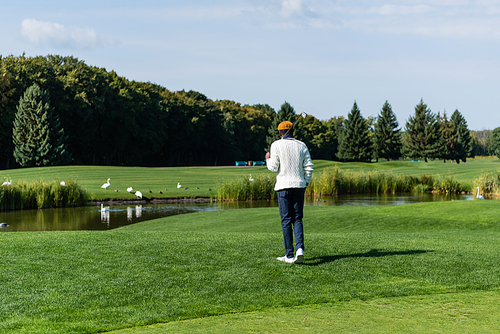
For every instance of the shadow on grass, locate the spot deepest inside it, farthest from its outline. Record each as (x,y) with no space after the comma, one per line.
(316,261)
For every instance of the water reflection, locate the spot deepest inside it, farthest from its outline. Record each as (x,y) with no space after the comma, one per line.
(113,216)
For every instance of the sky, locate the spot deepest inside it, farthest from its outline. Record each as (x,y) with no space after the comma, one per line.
(318,55)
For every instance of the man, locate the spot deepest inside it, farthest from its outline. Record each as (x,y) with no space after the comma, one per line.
(291,159)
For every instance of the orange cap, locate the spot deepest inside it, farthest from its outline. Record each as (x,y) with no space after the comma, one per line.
(285,125)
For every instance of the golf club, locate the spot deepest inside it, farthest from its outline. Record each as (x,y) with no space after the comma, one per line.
(303,114)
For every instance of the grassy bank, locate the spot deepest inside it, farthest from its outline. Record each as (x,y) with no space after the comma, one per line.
(223,262)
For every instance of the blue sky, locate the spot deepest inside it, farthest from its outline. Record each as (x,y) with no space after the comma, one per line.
(320,56)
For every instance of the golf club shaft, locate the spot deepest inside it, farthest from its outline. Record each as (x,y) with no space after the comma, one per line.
(301,114)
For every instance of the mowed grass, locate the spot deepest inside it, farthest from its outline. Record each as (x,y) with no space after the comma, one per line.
(466,312)
(204,178)
(212,264)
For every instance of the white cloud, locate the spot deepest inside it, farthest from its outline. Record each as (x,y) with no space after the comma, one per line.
(459,19)
(58,36)
(294,8)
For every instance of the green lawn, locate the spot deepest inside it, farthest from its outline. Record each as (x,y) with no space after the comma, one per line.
(466,312)
(441,257)
(157,179)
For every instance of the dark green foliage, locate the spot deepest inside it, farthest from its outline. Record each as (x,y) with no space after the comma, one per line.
(247,126)
(387,135)
(463,142)
(494,142)
(6,92)
(286,113)
(422,137)
(110,120)
(37,135)
(319,136)
(480,142)
(448,137)
(355,143)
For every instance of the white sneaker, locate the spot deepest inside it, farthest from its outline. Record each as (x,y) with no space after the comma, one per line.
(299,256)
(286,259)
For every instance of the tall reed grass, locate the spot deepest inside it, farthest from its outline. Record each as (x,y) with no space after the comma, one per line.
(242,189)
(447,185)
(488,183)
(41,194)
(336,181)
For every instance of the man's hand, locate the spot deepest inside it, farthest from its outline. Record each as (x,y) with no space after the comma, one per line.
(268,155)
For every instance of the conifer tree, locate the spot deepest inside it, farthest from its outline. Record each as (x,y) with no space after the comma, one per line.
(493,144)
(423,138)
(37,135)
(463,142)
(355,143)
(286,113)
(387,135)
(448,137)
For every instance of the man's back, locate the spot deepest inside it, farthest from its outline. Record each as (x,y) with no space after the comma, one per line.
(291,159)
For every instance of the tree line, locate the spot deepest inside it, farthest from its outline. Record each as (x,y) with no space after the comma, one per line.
(58,110)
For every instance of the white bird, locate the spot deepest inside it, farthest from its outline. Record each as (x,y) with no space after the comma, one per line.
(251,179)
(106,185)
(63,183)
(179,185)
(4,225)
(479,196)
(7,183)
(129,189)
(138,194)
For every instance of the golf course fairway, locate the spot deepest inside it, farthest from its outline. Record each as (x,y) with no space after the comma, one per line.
(414,268)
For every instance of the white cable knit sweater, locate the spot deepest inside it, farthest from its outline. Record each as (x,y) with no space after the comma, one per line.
(291,159)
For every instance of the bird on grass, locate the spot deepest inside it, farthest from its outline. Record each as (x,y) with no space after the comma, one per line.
(106,185)
(150,191)
(479,196)
(7,183)
(138,194)
(178,185)
(159,192)
(63,183)
(251,179)
(129,189)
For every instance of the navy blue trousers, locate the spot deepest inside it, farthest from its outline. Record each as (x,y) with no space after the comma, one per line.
(291,206)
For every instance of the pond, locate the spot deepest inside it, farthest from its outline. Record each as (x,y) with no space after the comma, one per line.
(113,216)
